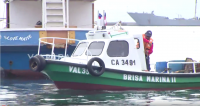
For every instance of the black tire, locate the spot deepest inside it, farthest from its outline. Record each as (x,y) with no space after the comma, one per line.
(92,71)
(42,60)
(37,63)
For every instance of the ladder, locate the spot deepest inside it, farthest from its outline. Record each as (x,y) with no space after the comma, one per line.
(53,13)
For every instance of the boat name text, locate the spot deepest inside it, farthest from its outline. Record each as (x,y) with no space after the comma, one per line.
(18,38)
(122,62)
(149,78)
(78,70)
(47,57)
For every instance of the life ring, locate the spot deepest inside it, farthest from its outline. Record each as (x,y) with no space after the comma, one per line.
(94,72)
(37,63)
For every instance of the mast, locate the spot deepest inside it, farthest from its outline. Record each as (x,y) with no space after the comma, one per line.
(195,9)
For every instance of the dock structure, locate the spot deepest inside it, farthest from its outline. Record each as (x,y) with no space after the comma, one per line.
(28,20)
(50,13)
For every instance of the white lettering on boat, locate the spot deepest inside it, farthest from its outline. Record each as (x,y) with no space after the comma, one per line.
(14,38)
(46,57)
(78,70)
(133,77)
(123,62)
(149,78)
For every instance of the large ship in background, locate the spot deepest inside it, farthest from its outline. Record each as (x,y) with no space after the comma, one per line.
(149,19)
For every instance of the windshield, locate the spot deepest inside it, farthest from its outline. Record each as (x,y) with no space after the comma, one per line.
(95,48)
(80,49)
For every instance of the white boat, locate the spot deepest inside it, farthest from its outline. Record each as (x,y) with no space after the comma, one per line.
(109,60)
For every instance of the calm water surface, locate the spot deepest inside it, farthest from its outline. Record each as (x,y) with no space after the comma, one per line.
(44,93)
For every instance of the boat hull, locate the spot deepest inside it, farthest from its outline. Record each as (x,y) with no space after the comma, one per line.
(18,46)
(75,76)
(15,60)
(22,74)
(89,86)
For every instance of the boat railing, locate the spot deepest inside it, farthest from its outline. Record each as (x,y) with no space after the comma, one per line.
(53,56)
(194,67)
(117,26)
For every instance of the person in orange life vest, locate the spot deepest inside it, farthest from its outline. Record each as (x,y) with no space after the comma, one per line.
(148,47)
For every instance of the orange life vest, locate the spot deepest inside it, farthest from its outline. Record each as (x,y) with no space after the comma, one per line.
(147,46)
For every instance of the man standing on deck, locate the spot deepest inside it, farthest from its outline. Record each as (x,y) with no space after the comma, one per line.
(148,47)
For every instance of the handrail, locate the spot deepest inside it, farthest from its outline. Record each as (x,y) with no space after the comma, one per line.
(53,56)
(194,69)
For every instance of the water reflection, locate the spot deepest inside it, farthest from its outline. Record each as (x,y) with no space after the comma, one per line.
(43,92)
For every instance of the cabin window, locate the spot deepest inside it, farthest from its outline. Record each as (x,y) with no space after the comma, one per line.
(80,48)
(137,43)
(119,48)
(95,48)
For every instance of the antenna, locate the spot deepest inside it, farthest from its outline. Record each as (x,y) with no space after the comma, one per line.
(103,27)
(117,26)
(195,9)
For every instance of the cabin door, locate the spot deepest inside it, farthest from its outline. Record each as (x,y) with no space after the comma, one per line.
(140,49)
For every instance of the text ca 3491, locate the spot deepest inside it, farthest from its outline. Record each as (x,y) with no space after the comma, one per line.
(122,62)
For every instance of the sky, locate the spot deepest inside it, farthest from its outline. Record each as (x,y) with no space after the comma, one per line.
(117,9)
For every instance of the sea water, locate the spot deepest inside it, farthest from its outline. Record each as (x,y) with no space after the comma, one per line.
(44,93)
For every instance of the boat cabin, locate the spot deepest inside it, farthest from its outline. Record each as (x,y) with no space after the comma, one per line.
(116,48)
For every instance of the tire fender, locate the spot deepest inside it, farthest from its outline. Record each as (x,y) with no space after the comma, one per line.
(37,63)
(100,70)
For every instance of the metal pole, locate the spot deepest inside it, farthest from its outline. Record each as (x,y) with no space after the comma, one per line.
(52,50)
(195,8)
(68,19)
(194,68)
(66,48)
(39,47)
(167,67)
(45,14)
(64,20)
(67,13)
(87,51)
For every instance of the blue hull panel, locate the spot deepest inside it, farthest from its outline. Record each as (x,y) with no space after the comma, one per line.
(15,60)
(20,55)
(13,38)
(29,38)
(17,47)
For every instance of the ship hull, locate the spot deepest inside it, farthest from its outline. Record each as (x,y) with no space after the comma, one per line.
(17,47)
(144,19)
(75,76)
(88,86)
(15,60)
